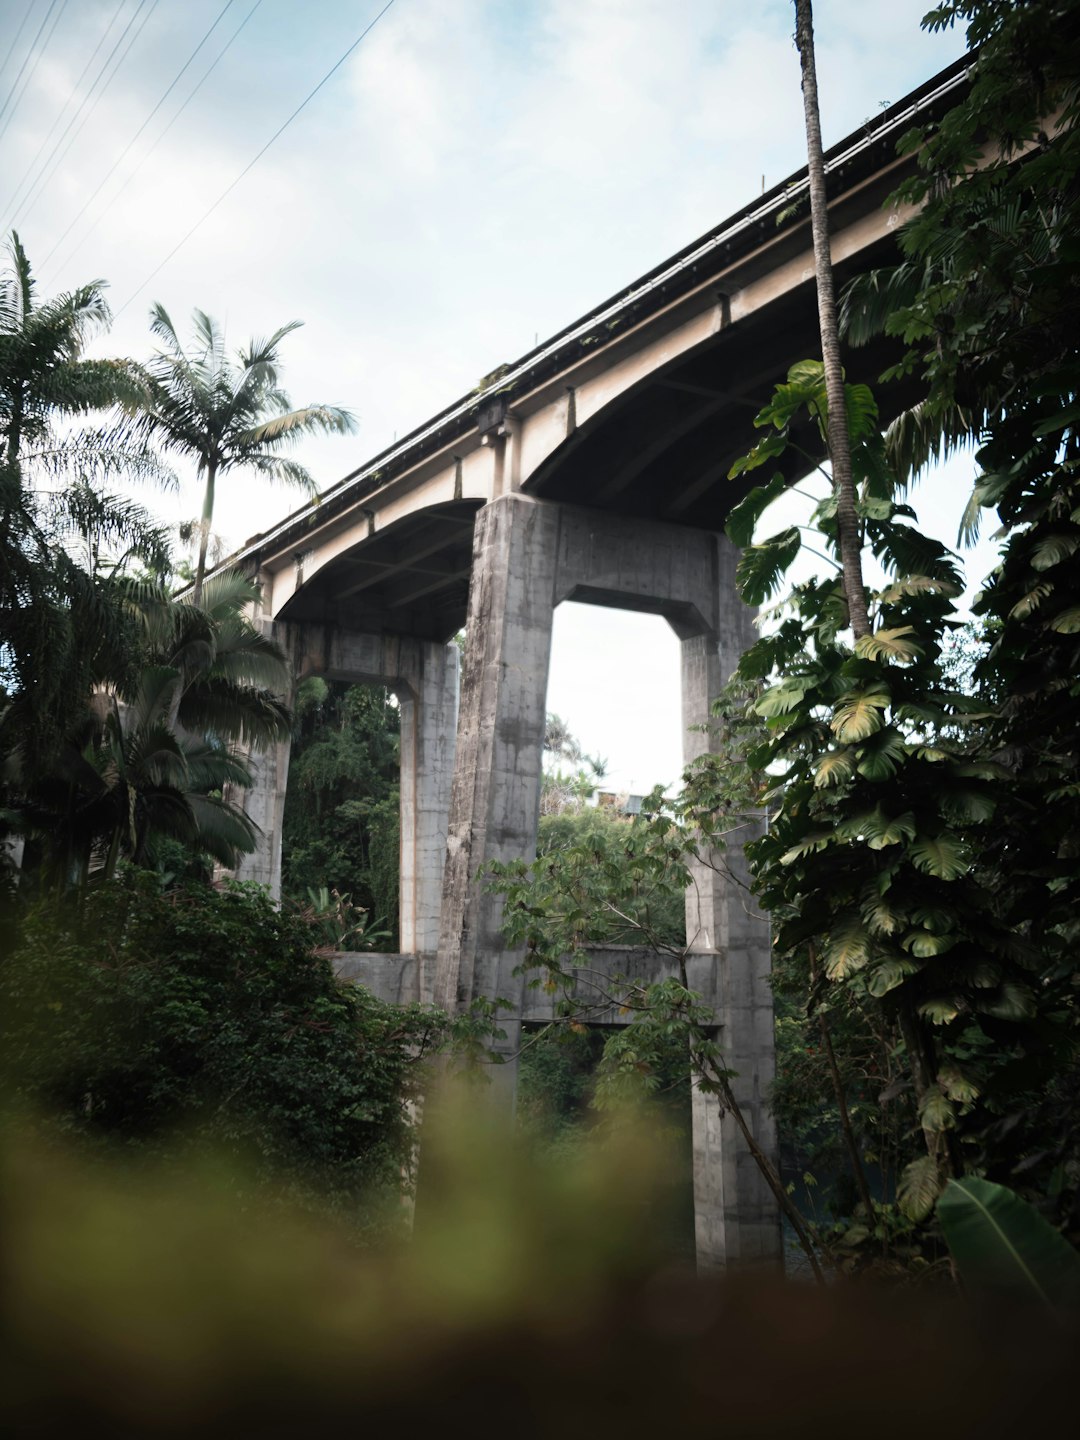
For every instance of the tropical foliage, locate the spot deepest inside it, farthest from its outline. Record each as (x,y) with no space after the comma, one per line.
(156,748)
(920,867)
(147,1011)
(342,825)
(62,538)
(226,413)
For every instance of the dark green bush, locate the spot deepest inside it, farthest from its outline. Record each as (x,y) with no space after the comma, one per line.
(147,1016)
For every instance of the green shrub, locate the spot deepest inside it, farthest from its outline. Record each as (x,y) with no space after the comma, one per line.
(147,1016)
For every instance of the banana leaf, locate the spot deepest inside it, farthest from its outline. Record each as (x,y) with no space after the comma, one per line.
(1002,1245)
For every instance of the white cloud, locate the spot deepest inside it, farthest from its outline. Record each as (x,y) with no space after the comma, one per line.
(478,174)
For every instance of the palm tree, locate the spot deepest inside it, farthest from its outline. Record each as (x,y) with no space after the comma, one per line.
(151,756)
(228,414)
(837,428)
(44,375)
(56,613)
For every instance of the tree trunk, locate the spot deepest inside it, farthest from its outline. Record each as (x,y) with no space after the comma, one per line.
(204,533)
(839,441)
(857,1170)
(940,1145)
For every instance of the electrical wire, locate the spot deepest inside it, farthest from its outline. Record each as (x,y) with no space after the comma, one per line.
(37,52)
(13,199)
(255,160)
(127,148)
(37,189)
(176,116)
(18,34)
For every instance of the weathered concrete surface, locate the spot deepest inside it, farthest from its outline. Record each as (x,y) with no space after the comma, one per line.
(264,805)
(424,677)
(599,976)
(736,1216)
(528,556)
(495,800)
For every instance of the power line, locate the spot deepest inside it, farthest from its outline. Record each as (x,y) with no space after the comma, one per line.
(14,197)
(18,33)
(253,162)
(35,192)
(127,148)
(37,52)
(176,116)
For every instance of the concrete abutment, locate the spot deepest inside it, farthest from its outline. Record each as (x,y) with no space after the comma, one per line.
(470,788)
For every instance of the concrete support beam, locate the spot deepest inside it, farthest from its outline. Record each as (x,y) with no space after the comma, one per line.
(264,805)
(429,713)
(423,675)
(528,556)
(495,801)
(736,1216)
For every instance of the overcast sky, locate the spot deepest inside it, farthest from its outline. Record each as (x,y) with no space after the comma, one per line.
(476,175)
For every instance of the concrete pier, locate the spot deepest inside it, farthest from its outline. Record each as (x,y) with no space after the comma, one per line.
(470,794)
(735,1213)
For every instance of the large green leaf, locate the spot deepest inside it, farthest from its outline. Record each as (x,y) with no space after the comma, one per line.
(936,1111)
(939,1010)
(834,768)
(1026,606)
(919,1187)
(816,840)
(972,806)
(877,912)
(888,974)
(1001,1244)
(957,1084)
(858,715)
(881,755)
(895,644)
(942,855)
(848,948)
(1013,1002)
(742,520)
(762,567)
(773,444)
(917,585)
(1053,550)
(878,829)
(925,945)
(781,699)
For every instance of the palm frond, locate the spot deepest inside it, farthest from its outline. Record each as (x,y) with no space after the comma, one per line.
(922,434)
(327,419)
(283,470)
(869,301)
(223,830)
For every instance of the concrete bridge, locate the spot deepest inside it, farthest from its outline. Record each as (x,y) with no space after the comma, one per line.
(592,469)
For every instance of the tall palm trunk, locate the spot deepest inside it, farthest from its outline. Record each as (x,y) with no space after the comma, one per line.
(204,531)
(839,443)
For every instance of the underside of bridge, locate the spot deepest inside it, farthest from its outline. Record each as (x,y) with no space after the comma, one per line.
(409,579)
(663,451)
(594,469)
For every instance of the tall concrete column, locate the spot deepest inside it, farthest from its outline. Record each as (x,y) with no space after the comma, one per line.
(264,805)
(429,713)
(495,799)
(736,1215)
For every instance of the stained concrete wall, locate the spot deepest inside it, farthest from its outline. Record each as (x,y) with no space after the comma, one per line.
(528,556)
(736,1215)
(424,677)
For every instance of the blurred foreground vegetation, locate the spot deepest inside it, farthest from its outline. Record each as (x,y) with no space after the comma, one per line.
(138,1301)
